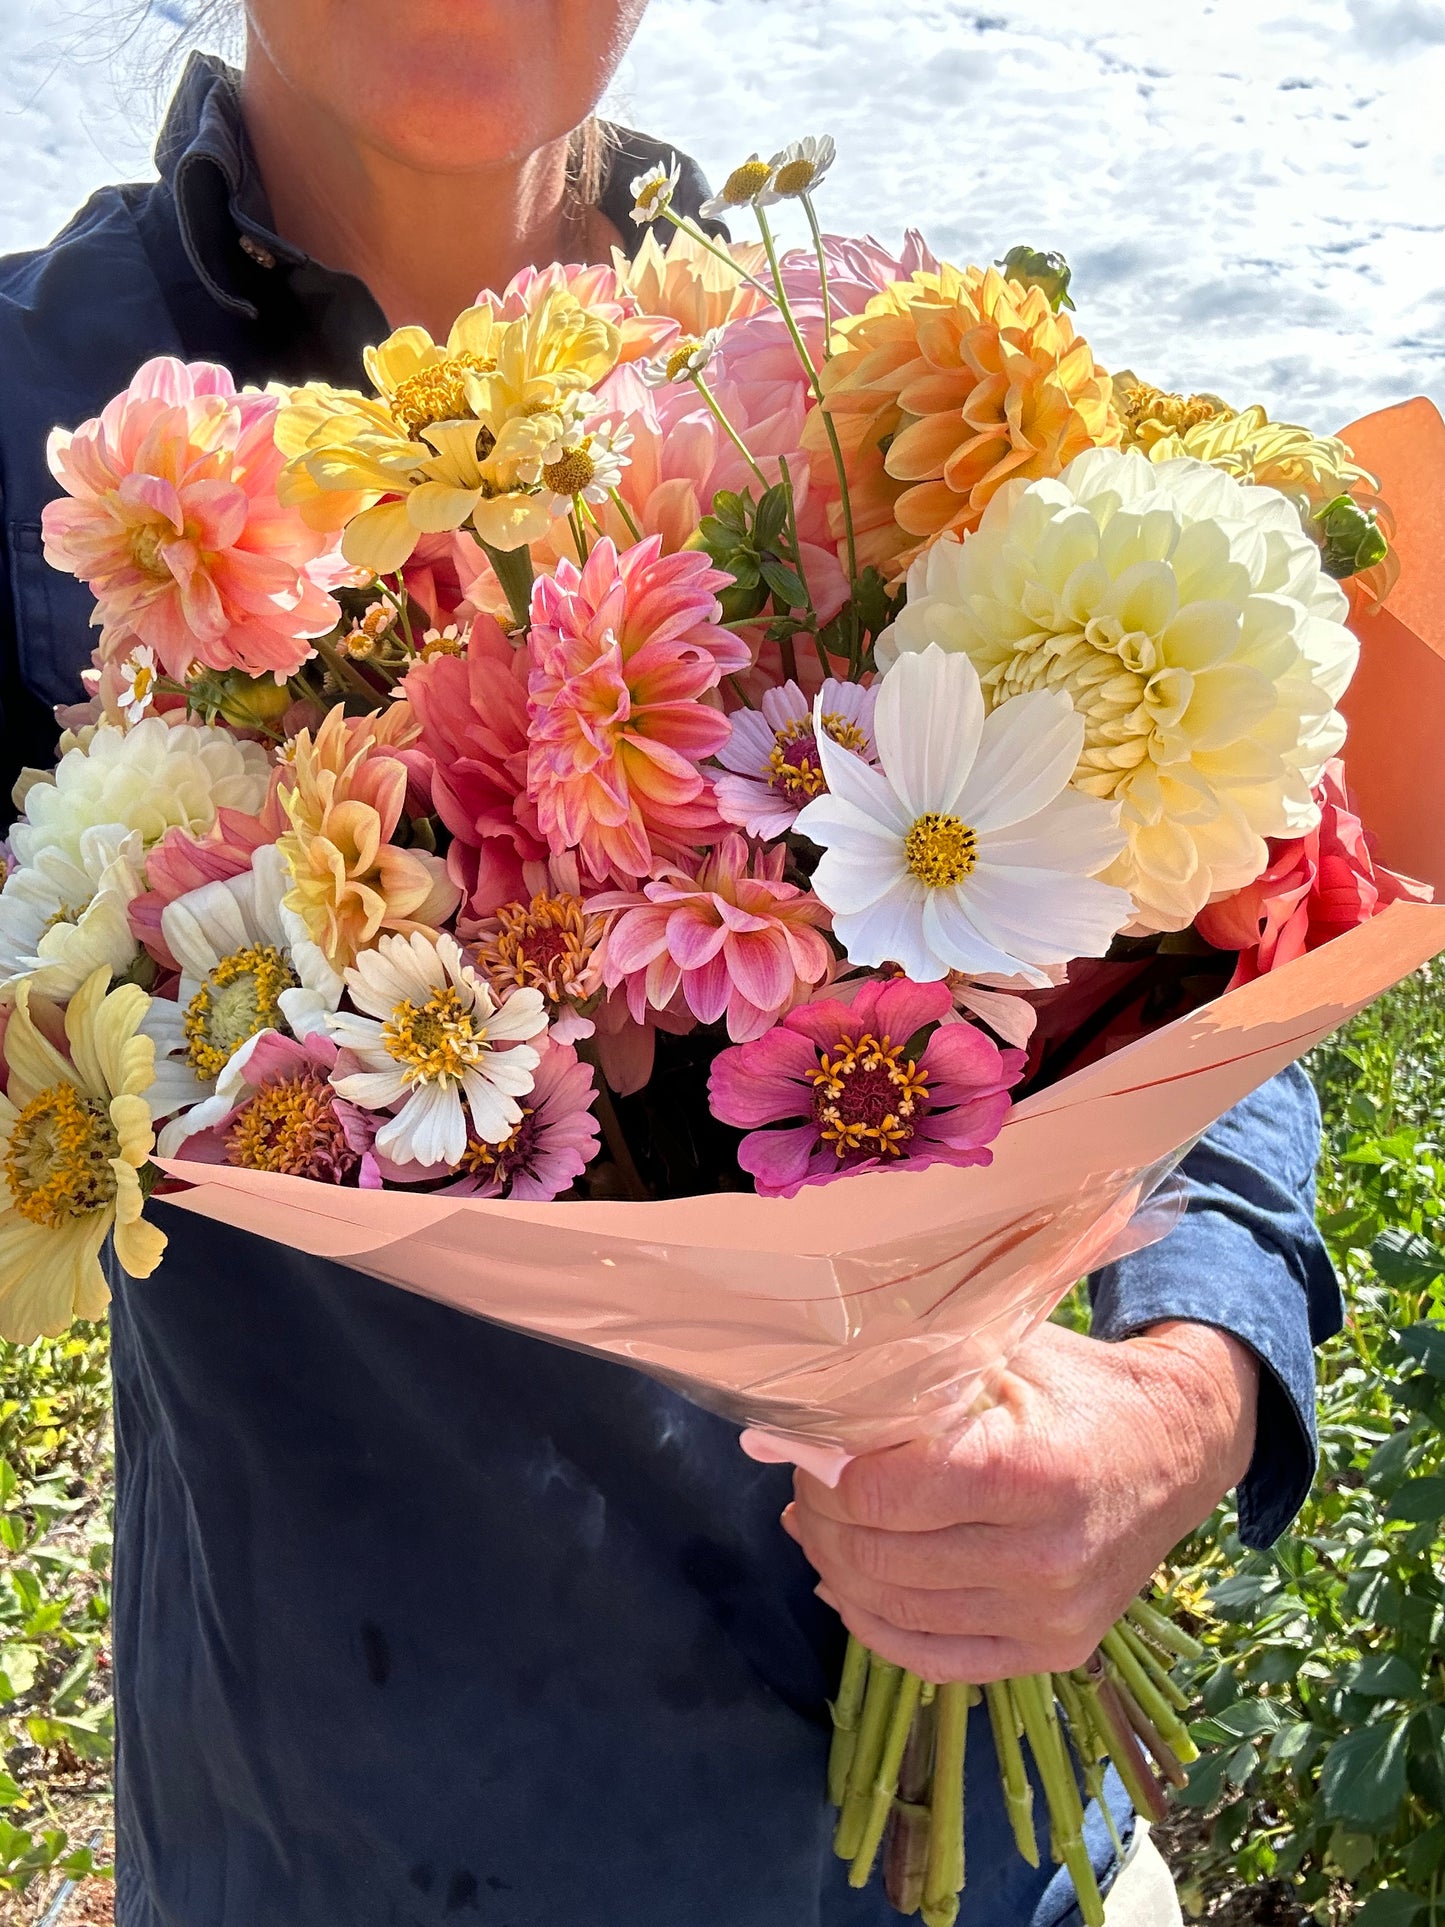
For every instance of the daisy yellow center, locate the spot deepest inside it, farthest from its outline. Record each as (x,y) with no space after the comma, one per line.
(292,1126)
(57,1162)
(438,1040)
(940,850)
(142,684)
(571,473)
(679,362)
(655,195)
(794,177)
(867,1095)
(438,393)
(241,996)
(745,183)
(794,768)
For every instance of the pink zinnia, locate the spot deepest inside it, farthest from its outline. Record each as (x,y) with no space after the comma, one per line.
(552,1146)
(772,754)
(839,1079)
(473,715)
(173,524)
(623,653)
(734,940)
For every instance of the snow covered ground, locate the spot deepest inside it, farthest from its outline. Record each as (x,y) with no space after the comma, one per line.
(1251,192)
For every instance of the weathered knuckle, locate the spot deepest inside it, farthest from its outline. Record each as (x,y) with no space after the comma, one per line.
(867,1551)
(868,1489)
(1056,1558)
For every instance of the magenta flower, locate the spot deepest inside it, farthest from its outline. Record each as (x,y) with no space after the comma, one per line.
(552,1146)
(840,1080)
(772,754)
(733,939)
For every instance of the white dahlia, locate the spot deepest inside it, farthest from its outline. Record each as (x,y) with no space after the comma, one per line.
(150,777)
(965,850)
(1187,618)
(435,1047)
(62,918)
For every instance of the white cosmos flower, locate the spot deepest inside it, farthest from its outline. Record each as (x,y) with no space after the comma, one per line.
(247,965)
(1187,618)
(428,1043)
(966,849)
(681,360)
(652,192)
(799,168)
(62,916)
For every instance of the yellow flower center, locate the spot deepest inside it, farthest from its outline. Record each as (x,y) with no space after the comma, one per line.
(145,549)
(545,945)
(941,850)
(240,997)
(65,914)
(653,196)
(142,684)
(438,393)
(794,768)
(1171,414)
(679,362)
(485,1160)
(794,177)
(57,1162)
(438,1040)
(866,1096)
(746,183)
(570,473)
(291,1125)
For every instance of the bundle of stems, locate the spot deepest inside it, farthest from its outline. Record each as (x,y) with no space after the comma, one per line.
(895,1770)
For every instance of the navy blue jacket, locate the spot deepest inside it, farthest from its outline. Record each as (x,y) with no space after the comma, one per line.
(420,1621)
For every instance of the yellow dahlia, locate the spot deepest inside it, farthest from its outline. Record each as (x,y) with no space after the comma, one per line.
(344,794)
(1189,620)
(689,284)
(945,387)
(1148,414)
(75,1134)
(456,436)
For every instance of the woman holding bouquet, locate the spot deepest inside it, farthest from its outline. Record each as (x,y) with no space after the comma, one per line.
(419,1619)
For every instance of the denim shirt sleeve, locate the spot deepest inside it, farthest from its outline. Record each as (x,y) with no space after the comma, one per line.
(1247,1258)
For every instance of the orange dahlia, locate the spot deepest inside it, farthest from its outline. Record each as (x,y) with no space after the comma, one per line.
(945,387)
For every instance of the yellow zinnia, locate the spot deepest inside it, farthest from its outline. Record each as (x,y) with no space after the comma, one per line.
(945,387)
(456,436)
(75,1134)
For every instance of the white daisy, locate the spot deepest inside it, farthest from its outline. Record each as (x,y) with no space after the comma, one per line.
(592,468)
(428,1042)
(681,361)
(966,849)
(744,187)
(137,684)
(799,168)
(247,965)
(772,757)
(652,192)
(63,915)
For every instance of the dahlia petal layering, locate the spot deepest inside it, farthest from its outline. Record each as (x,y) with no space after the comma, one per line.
(736,812)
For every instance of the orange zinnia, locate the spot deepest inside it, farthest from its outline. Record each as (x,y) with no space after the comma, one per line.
(945,387)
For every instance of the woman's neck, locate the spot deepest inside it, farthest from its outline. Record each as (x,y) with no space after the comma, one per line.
(424,243)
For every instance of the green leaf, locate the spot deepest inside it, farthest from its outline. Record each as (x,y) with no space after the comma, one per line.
(1238,1596)
(1425,1854)
(1419,1501)
(1351,1852)
(1382,1676)
(1240,1764)
(1425,1343)
(1363,1776)
(1206,1781)
(771,518)
(1404,1259)
(1390,1907)
(731,510)
(784,582)
(1390,1462)
(1248,1719)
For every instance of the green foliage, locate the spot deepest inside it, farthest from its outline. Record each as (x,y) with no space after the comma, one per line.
(1324,1690)
(55,1719)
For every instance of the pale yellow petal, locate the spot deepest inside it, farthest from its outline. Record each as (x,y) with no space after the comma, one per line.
(400,356)
(381,538)
(437,507)
(44,1273)
(139,1245)
(134,1132)
(34,1064)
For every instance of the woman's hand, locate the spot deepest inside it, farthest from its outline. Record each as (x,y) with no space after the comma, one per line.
(1013,1545)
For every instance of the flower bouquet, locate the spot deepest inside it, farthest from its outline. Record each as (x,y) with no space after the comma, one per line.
(722,724)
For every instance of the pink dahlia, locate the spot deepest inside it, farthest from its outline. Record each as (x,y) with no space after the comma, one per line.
(173,524)
(600,289)
(472,710)
(552,1146)
(623,654)
(772,754)
(181,862)
(734,940)
(840,1080)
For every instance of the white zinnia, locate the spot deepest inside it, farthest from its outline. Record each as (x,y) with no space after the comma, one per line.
(1187,618)
(966,849)
(151,777)
(61,917)
(247,965)
(428,1044)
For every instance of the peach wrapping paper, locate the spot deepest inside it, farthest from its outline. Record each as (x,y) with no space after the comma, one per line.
(846,1318)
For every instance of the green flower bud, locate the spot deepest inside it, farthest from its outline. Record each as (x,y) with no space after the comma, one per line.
(1350,536)
(1040,268)
(248,702)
